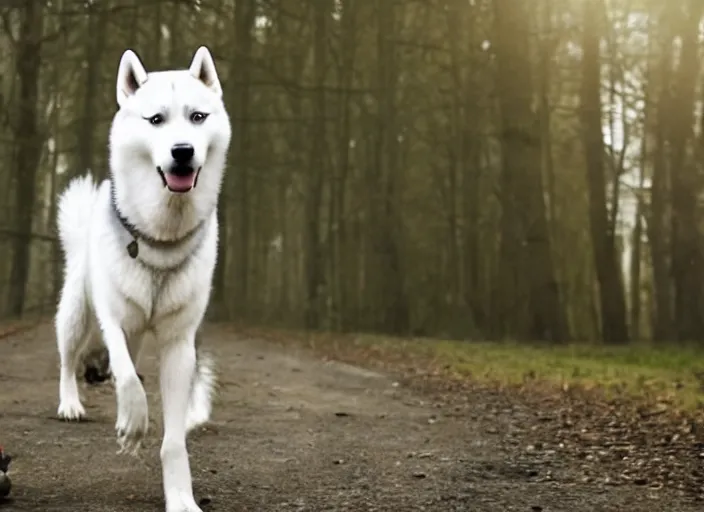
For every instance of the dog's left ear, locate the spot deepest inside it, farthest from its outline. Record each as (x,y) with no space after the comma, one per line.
(203,68)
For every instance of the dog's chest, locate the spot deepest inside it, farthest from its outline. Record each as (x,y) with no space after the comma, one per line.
(157,297)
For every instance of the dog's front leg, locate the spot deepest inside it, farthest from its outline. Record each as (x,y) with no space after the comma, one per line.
(178,362)
(132,409)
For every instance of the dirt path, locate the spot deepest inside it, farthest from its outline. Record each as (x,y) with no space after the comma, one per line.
(291,433)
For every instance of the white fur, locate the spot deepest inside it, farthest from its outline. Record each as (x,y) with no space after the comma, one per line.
(164,290)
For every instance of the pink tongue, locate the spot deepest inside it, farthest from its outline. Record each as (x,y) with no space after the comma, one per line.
(179,183)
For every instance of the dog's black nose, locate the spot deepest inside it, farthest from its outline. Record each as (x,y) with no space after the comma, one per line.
(182,153)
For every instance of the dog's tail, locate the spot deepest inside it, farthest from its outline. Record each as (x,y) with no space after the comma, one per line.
(202,390)
(75,211)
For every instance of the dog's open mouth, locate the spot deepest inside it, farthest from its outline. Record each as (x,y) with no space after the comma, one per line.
(180,178)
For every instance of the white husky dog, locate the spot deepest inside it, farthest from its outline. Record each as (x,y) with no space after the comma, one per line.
(140,249)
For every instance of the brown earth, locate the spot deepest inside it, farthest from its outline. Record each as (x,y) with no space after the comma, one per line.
(292,432)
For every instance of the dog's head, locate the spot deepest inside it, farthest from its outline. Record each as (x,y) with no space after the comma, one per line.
(171,131)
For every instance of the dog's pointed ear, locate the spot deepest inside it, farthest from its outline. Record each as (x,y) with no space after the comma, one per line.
(203,68)
(131,75)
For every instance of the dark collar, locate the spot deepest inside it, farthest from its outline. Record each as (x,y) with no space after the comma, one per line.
(141,237)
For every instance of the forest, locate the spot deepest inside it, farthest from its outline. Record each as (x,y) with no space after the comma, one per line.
(466,169)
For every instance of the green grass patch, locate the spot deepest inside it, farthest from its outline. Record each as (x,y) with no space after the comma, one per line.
(666,374)
(671,375)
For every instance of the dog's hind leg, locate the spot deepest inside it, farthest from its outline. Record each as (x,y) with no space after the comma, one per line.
(73,328)
(96,361)
(178,364)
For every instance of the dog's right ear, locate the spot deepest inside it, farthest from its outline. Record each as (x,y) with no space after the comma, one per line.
(203,68)
(131,75)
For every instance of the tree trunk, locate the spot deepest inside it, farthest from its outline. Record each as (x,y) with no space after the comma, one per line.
(687,258)
(341,272)
(314,176)
(175,27)
(97,25)
(390,310)
(528,305)
(239,77)
(660,211)
(28,148)
(637,242)
(154,44)
(611,294)
(219,305)
(56,259)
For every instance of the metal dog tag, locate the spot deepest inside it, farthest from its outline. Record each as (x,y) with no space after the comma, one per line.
(133,249)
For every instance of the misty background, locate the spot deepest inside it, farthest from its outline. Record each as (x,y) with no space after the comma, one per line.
(451,168)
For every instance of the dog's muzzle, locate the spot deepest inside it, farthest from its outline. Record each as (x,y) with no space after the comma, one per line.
(181,176)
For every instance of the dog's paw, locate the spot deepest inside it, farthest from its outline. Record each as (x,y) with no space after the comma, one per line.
(132,416)
(181,502)
(71,410)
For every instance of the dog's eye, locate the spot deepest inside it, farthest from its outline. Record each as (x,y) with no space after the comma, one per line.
(156,119)
(198,117)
